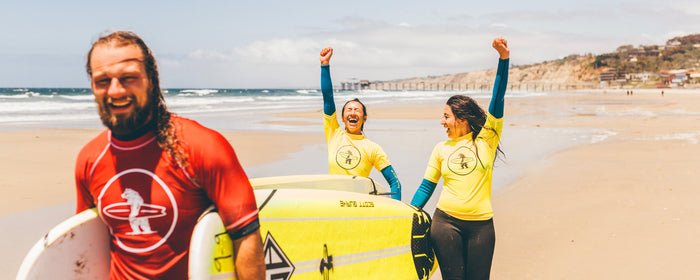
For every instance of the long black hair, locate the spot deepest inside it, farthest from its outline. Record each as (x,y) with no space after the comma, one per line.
(465,108)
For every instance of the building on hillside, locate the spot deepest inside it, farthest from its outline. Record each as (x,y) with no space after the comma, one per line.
(676,77)
(639,77)
(609,75)
(672,45)
(694,77)
(643,53)
(613,75)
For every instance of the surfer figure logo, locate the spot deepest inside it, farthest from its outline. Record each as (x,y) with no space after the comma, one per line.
(460,160)
(348,157)
(326,263)
(139,212)
(139,224)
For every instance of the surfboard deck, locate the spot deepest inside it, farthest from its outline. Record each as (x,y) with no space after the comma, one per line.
(323,234)
(321,182)
(77,248)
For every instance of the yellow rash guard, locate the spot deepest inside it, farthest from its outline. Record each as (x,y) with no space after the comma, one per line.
(466,192)
(350,154)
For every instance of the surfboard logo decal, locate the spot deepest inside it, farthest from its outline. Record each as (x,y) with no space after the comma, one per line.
(326,263)
(277,264)
(462,161)
(348,157)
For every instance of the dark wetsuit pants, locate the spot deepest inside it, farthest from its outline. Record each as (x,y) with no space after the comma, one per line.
(464,249)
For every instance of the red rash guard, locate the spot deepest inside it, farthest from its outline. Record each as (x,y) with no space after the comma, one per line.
(151,206)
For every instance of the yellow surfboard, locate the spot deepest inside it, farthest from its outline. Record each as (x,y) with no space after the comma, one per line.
(323,234)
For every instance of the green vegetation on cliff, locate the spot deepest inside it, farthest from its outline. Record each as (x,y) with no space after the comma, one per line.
(678,53)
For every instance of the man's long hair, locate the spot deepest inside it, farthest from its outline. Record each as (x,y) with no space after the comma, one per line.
(164,129)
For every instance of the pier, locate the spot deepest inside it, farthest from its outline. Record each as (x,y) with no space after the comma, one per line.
(464,86)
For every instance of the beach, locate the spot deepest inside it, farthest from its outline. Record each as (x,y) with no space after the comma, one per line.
(594,185)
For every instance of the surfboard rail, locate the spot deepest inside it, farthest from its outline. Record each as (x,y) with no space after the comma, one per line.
(85,236)
(321,182)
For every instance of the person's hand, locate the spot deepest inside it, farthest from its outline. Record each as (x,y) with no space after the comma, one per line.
(326,55)
(501,45)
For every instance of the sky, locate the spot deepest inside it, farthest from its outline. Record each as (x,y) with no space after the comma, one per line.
(275,44)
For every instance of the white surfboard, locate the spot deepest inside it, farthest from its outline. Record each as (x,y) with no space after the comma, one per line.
(321,182)
(77,248)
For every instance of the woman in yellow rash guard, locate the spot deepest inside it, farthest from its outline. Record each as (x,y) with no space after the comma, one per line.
(349,152)
(462,229)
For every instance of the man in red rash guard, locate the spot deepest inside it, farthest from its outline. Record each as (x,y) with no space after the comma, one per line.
(152,174)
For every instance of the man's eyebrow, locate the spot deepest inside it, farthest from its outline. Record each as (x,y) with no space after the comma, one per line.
(132,59)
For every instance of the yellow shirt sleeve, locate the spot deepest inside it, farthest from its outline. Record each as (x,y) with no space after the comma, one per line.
(379,157)
(432,172)
(491,137)
(330,126)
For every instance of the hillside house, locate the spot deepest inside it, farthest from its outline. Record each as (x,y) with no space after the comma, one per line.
(677,77)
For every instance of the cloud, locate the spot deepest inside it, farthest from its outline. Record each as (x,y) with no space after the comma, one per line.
(375,50)
(356,22)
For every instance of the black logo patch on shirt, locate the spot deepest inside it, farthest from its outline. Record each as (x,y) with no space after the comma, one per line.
(462,161)
(348,157)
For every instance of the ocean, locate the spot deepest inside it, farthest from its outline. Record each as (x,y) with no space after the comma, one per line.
(253,110)
(75,107)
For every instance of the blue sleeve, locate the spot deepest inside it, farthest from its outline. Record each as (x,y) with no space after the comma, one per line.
(390,176)
(424,192)
(327,90)
(499,89)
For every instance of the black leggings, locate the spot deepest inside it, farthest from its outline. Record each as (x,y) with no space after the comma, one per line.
(464,249)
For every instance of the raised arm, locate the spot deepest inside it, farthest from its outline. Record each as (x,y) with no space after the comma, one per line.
(501,83)
(326,84)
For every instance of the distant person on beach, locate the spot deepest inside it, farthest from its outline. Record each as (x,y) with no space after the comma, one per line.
(151,174)
(349,152)
(462,229)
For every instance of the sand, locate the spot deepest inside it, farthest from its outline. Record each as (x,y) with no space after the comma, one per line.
(616,203)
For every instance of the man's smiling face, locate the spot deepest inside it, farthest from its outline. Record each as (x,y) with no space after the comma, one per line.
(121,87)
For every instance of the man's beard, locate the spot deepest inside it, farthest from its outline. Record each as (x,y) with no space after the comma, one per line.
(126,124)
